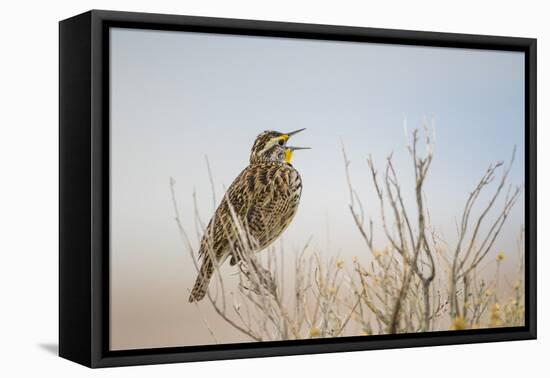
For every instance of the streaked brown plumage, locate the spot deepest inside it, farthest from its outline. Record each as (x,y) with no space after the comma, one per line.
(263,198)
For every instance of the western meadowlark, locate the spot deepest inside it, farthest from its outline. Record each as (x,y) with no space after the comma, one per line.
(263,200)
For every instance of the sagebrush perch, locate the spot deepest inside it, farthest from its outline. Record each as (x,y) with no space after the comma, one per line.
(405,285)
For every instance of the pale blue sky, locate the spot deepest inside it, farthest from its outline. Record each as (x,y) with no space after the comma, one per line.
(176,97)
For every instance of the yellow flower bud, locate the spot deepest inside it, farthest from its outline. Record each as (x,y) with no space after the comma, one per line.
(314,332)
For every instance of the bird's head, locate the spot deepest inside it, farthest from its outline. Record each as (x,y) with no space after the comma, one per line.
(271,146)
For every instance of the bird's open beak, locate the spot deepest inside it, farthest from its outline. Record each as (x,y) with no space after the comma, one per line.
(289,150)
(297,148)
(288,135)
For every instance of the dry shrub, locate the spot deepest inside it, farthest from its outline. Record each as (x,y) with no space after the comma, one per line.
(414,281)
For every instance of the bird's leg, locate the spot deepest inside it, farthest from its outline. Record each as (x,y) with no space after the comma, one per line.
(268,282)
(235,253)
(234,260)
(258,278)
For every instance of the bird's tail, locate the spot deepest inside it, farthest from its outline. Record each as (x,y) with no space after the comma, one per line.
(203,279)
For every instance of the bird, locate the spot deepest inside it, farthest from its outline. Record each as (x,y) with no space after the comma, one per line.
(262,200)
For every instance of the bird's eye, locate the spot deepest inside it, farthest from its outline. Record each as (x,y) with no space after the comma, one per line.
(281,142)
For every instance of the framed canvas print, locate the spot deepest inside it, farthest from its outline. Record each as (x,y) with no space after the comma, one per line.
(235,188)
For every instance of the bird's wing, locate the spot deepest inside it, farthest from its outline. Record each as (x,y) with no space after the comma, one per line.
(259,198)
(235,202)
(270,197)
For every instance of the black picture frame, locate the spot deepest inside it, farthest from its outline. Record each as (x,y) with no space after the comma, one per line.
(84,187)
